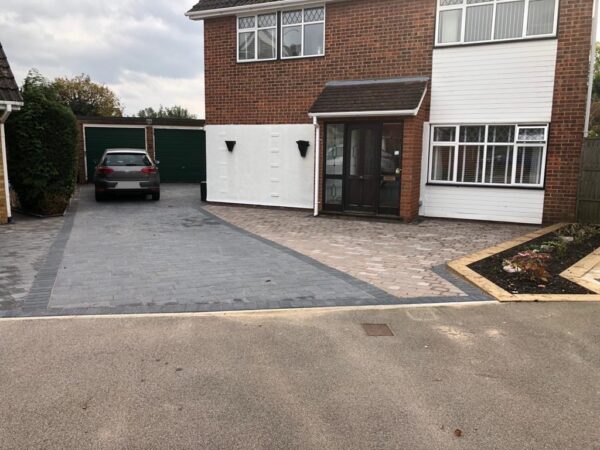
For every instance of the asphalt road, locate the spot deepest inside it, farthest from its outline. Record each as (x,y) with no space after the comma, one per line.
(507,376)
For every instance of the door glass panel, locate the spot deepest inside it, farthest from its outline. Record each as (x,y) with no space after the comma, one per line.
(391,149)
(391,161)
(333,191)
(356,138)
(371,152)
(334,150)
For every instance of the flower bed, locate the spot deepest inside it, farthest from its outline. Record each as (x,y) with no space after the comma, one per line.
(535,266)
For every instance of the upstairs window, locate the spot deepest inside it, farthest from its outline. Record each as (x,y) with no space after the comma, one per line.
(303,33)
(473,21)
(497,155)
(257,37)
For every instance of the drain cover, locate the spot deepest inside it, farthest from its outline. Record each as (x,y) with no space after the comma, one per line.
(377,329)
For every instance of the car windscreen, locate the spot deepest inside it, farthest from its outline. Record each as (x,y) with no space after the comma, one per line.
(126,159)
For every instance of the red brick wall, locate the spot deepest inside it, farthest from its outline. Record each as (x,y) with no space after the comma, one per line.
(80,155)
(411,163)
(150,142)
(568,115)
(364,39)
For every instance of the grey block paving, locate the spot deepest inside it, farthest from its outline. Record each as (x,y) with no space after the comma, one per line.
(24,248)
(132,252)
(137,256)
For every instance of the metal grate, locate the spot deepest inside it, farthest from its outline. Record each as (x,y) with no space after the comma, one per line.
(377,329)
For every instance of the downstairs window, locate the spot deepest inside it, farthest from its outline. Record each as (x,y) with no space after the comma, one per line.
(491,155)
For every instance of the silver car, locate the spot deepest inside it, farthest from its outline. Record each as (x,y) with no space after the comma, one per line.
(126,171)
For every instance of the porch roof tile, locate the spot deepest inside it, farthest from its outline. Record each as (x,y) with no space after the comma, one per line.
(393,95)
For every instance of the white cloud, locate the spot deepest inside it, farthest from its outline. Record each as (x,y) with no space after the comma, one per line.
(147,50)
(139,90)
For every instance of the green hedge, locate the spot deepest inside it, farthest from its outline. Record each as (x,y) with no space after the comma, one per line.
(41,150)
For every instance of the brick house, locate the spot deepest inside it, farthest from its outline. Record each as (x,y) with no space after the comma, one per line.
(439,108)
(10,100)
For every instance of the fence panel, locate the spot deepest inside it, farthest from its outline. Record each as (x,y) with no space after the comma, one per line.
(588,200)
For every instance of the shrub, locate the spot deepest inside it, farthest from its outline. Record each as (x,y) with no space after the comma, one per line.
(41,149)
(580,232)
(531,264)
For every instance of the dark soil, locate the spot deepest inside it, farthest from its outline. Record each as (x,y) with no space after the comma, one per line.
(492,268)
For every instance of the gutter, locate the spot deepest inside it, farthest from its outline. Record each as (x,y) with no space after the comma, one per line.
(222,12)
(317,165)
(8,109)
(588,112)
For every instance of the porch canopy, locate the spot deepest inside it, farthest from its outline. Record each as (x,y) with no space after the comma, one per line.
(371,98)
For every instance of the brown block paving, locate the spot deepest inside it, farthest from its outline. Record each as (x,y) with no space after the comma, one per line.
(396,257)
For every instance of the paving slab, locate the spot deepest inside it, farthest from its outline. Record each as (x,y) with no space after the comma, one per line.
(134,255)
(405,260)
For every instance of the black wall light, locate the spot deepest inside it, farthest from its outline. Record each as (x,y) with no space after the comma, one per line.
(230,145)
(303,147)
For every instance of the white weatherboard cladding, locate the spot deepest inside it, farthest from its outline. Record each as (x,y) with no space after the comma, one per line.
(512,82)
(265,167)
(478,203)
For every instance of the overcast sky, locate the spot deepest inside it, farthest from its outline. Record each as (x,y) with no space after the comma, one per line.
(147,51)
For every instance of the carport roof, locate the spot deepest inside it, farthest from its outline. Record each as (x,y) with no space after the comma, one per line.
(396,96)
(9,91)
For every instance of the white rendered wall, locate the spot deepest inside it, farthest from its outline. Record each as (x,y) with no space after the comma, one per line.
(478,203)
(265,168)
(512,82)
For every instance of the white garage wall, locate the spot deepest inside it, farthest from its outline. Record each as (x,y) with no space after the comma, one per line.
(512,82)
(265,168)
(478,203)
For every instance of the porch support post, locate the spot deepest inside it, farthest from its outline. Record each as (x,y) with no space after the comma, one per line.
(3,116)
(317,164)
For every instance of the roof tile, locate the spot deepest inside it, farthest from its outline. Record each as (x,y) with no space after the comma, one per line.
(399,94)
(9,91)
(206,5)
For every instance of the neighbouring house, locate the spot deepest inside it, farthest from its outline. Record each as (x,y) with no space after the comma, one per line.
(439,108)
(10,100)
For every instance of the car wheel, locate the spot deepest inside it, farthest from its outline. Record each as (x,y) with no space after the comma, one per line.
(99,197)
(156,197)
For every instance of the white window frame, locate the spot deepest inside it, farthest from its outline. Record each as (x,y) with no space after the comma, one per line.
(516,144)
(255,30)
(302,25)
(463,7)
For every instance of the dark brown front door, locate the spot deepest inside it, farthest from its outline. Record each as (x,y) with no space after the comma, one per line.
(363,167)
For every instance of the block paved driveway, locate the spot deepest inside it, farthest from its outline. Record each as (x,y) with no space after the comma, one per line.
(136,256)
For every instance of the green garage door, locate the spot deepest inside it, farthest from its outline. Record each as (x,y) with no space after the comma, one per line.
(182,155)
(98,139)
